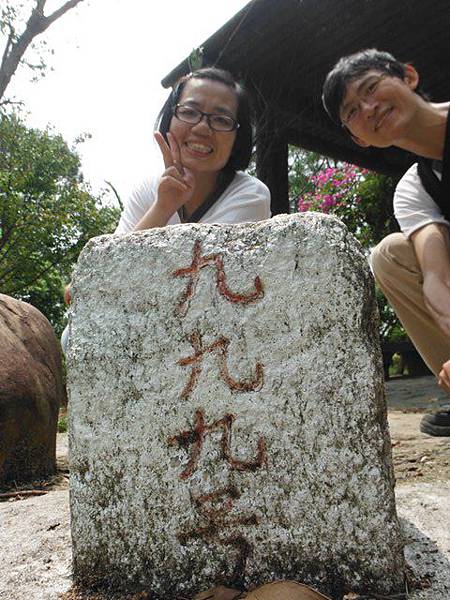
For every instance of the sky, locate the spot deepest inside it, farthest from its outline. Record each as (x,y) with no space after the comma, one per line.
(109,59)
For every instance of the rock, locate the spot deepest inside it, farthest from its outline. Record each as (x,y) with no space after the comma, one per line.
(276,590)
(31,390)
(219,593)
(284,590)
(228,423)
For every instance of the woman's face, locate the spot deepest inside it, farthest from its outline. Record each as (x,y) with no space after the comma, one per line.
(203,149)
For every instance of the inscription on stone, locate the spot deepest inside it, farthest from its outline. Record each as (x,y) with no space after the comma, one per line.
(214,507)
(220,346)
(193,271)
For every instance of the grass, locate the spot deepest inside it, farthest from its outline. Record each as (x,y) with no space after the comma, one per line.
(62,421)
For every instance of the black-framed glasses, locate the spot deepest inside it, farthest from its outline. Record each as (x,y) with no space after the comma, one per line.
(217,122)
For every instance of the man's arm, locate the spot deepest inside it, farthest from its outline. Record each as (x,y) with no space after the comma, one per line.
(432,247)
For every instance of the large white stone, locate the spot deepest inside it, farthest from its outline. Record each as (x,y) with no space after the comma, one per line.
(229,425)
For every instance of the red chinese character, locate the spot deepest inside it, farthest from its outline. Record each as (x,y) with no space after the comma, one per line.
(193,272)
(215,519)
(221,346)
(194,439)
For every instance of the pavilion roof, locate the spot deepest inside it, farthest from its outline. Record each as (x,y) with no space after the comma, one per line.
(283,50)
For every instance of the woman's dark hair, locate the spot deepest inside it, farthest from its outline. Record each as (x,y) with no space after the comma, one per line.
(352,67)
(242,148)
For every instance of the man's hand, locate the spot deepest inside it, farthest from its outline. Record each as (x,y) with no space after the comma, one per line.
(432,247)
(436,295)
(444,377)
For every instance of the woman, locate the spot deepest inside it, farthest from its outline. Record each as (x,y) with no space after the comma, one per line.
(205,137)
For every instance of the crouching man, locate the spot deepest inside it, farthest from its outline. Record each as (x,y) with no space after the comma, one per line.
(377,100)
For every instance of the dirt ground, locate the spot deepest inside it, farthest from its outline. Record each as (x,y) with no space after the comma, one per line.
(35,555)
(417,456)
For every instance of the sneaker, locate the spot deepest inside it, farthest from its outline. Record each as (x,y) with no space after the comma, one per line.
(437,423)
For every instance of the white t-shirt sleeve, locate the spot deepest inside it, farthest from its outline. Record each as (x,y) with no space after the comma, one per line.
(246,199)
(137,205)
(413,206)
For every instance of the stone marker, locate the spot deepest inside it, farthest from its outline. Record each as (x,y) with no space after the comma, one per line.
(228,422)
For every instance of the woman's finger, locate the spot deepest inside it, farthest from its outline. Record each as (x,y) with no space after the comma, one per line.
(188,178)
(165,150)
(175,173)
(176,153)
(174,182)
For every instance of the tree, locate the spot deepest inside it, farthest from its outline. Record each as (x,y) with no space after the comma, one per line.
(47,215)
(17,43)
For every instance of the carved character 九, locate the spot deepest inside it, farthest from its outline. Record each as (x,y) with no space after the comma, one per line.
(193,272)
(193,439)
(221,347)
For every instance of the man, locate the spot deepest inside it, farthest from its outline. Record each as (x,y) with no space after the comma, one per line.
(377,100)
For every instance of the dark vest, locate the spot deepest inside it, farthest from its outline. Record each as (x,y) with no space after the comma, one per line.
(438,189)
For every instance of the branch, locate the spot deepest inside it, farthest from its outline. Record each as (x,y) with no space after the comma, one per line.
(60,11)
(21,494)
(36,24)
(9,42)
(11,102)
(116,193)
(6,234)
(59,258)
(25,284)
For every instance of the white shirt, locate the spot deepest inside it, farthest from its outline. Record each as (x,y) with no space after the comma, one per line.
(246,199)
(413,206)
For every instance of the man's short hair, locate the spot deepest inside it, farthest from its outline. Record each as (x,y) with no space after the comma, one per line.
(352,67)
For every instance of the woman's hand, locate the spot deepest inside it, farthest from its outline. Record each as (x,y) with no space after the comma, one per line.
(176,185)
(68,294)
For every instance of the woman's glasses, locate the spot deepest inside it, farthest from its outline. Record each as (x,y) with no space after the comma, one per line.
(191,115)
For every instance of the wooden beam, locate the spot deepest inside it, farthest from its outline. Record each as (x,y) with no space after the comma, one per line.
(272,168)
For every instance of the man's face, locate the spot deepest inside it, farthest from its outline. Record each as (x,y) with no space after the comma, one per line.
(378,108)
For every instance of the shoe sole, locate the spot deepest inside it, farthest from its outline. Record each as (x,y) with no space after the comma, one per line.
(435,430)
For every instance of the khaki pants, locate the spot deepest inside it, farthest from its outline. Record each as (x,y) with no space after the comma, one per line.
(398,274)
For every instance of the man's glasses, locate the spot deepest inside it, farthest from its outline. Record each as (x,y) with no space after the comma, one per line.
(353,110)
(191,115)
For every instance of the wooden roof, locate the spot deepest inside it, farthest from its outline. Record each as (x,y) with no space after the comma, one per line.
(283,49)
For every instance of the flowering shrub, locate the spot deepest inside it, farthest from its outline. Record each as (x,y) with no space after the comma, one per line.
(335,188)
(354,195)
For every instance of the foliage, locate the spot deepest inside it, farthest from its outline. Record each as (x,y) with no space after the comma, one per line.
(390,327)
(361,198)
(46,215)
(62,423)
(302,167)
